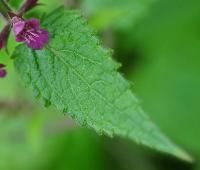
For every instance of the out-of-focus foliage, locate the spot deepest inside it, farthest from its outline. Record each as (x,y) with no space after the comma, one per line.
(43,141)
(48,5)
(117,14)
(165,53)
(15,4)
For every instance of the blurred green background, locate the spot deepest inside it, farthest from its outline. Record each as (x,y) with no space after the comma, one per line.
(158,43)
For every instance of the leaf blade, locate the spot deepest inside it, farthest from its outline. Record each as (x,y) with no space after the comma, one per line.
(78,76)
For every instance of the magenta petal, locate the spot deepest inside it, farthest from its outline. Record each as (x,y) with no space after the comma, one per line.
(18,25)
(34,23)
(40,41)
(30,32)
(2,73)
(19,38)
(44,36)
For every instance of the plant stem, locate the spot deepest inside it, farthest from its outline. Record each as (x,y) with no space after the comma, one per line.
(4,8)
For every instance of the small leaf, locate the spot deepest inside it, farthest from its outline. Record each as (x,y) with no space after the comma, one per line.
(79,77)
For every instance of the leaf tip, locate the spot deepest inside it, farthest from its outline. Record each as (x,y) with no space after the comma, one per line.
(183,155)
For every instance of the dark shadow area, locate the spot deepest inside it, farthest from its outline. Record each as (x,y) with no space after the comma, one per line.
(126,155)
(131,56)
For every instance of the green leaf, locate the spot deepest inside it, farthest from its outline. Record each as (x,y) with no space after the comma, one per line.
(79,77)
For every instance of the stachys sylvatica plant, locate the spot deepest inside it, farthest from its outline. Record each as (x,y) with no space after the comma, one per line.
(27,31)
(64,64)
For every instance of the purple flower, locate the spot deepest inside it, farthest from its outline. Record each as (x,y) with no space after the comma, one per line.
(2,71)
(30,32)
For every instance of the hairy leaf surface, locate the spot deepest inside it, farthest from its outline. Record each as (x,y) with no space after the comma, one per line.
(80,78)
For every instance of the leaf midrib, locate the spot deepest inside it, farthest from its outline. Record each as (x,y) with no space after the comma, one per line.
(118,110)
